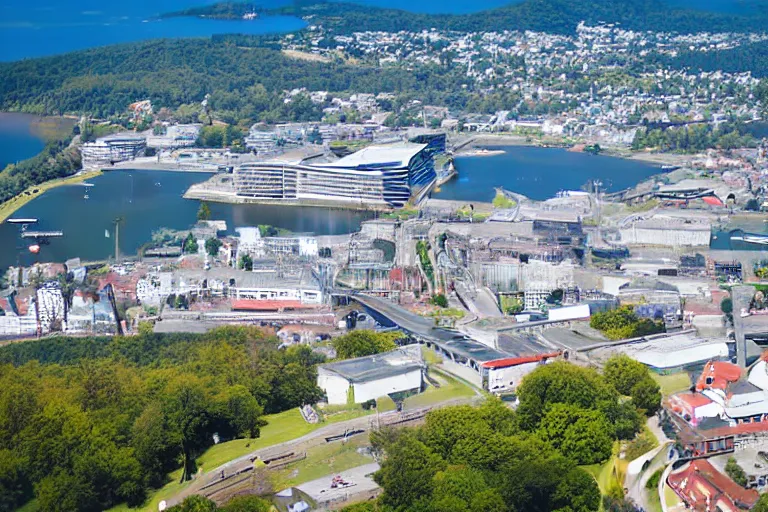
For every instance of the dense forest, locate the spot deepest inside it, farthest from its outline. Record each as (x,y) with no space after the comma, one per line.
(56,160)
(749,57)
(86,423)
(695,137)
(552,16)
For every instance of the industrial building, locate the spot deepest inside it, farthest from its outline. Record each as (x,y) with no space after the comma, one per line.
(377,175)
(112,149)
(496,370)
(367,378)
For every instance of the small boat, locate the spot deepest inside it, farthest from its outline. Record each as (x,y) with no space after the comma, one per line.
(157,184)
(85,196)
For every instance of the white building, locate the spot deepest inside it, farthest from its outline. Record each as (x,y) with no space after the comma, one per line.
(262,142)
(176,136)
(368,378)
(376,175)
(112,149)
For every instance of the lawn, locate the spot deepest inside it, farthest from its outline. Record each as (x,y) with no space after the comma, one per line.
(280,428)
(323,460)
(449,389)
(672,383)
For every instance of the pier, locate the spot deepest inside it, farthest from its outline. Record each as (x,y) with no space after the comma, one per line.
(42,234)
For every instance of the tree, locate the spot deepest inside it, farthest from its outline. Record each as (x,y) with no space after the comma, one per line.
(361,343)
(15,487)
(623,372)
(195,503)
(737,474)
(646,395)
(246,504)
(242,412)
(212,246)
(461,488)
(156,445)
(204,212)
(622,323)
(440,300)
(577,491)
(246,262)
(762,504)
(583,435)
(190,244)
(561,382)
(187,409)
(407,474)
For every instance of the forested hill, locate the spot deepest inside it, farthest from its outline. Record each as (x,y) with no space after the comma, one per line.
(243,82)
(553,16)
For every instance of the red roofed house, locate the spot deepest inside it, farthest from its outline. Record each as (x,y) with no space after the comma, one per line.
(704,489)
(718,375)
(693,407)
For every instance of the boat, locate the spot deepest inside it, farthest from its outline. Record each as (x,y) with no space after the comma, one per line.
(85,196)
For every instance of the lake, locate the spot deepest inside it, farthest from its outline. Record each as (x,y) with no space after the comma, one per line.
(539,173)
(18,140)
(147,200)
(34,29)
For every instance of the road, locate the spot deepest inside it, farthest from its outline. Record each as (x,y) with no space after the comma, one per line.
(359,483)
(636,478)
(405,319)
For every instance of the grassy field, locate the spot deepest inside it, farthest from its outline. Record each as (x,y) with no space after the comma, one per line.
(324,460)
(9,207)
(672,383)
(449,389)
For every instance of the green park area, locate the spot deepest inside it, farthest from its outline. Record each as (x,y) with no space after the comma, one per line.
(672,383)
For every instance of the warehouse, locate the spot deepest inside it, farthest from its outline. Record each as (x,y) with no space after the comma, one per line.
(368,378)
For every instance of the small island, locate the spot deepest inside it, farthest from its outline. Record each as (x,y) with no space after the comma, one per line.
(218,11)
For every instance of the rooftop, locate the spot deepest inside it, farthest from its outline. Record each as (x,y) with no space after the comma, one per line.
(704,488)
(394,155)
(378,366)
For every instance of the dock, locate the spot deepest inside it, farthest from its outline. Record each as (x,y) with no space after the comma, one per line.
(42,234)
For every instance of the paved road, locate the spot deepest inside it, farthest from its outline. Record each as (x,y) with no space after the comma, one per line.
(636,478)
(358,479)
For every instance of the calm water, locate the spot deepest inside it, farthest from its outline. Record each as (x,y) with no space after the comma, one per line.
(147,200)
(44,27)
(17,140)
(539,173)
(37,28)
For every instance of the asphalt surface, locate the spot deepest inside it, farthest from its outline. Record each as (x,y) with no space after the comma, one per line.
(358,481)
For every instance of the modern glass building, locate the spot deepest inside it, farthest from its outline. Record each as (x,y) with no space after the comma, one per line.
(376,175)
(112,149)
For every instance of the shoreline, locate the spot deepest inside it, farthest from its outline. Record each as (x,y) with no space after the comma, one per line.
(10,207)
(215,196)
(471,146)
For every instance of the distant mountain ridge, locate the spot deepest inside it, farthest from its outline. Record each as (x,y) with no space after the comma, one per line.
(553,16)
